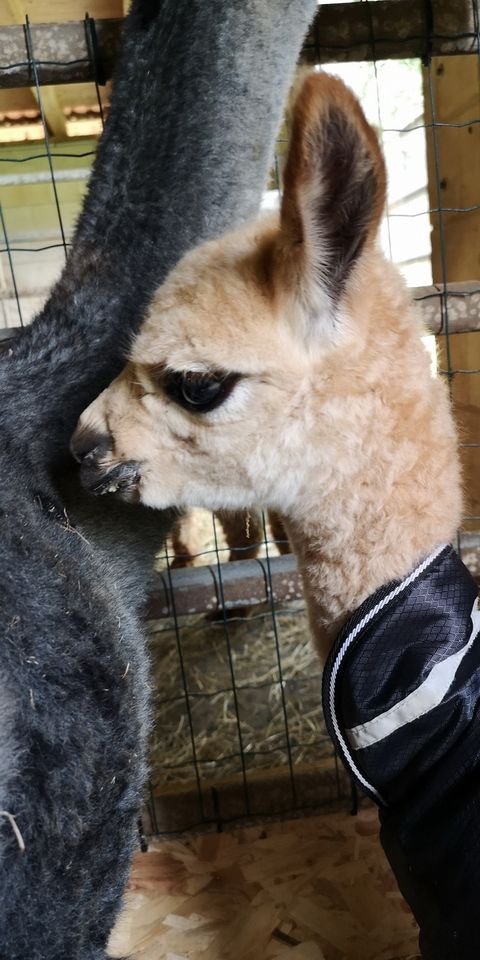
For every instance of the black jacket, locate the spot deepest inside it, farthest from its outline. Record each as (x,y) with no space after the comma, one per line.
(401,694)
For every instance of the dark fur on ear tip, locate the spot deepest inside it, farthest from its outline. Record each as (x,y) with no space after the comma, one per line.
(349,195)
(334,182)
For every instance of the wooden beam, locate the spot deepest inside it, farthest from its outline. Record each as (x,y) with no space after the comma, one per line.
(61,52)
(19,100)
(175,807)
(52,111)
(387,29)
(452,156)
(243,584)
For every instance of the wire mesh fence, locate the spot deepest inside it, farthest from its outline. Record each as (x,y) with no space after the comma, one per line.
(238,729)
(238,698)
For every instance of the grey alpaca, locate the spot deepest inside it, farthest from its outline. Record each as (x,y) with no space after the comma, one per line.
(197,99)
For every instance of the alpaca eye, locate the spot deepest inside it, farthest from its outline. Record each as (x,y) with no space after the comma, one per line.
(199,392)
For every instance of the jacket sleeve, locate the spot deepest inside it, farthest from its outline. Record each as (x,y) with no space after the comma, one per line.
(401,697)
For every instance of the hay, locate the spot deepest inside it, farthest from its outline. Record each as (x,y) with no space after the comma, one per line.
(16,831)
(260,695)
(264,691)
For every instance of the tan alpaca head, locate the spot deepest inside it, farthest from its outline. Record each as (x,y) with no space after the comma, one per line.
(216,404)
(282,366)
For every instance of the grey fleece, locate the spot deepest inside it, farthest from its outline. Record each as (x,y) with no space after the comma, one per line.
(196,102)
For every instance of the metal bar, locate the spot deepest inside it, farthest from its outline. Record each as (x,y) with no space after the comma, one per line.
(181,661)
(244,584)
(95,60)
(463,307)
(31,179)
(273,605)
(67,154)
(463,317)
(340,32)
(62,52)
(8,251)
(389,30)
(34,70)
(228,646)
(175,804)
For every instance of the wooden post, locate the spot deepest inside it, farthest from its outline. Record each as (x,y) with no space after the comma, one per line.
(451,96)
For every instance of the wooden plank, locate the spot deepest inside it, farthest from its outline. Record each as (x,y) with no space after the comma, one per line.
(340,32)
(453,155)
(176,808)
(244,583)
(70,96)
(14,11)
(52,111)
(19,100)
(54,11)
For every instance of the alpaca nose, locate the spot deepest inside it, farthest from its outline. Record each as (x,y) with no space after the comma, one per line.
(89,444)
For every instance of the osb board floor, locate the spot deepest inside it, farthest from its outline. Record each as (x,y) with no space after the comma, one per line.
(311,889)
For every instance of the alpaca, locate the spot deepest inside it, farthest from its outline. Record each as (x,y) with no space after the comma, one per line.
(243,531)
(283,365)
(198,87)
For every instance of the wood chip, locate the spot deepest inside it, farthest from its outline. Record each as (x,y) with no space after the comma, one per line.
(311,889)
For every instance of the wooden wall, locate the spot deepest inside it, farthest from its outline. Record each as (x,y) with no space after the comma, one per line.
(454,181)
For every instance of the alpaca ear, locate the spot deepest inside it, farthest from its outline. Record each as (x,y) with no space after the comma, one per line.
(334,192)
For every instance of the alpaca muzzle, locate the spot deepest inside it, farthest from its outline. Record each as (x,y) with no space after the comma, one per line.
(122,478)
(92,451)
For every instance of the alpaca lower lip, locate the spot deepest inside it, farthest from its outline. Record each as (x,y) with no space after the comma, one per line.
(120,479)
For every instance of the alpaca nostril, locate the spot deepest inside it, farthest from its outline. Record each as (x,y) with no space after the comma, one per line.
(88,444)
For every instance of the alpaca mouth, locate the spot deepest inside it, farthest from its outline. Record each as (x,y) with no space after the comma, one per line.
(122,479)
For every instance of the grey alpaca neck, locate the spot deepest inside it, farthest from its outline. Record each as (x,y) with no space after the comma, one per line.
(197,101)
